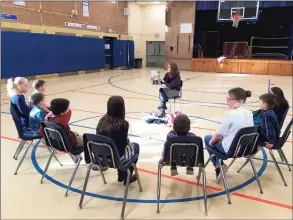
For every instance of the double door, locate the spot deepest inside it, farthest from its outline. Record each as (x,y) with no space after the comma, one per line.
(155,54)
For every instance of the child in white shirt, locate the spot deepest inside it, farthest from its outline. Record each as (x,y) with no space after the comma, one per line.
(236,119)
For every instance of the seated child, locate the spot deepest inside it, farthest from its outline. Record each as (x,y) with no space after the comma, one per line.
(181,127)
(37,114)
(61,115)
(16,87)
(269,124)
(39,86)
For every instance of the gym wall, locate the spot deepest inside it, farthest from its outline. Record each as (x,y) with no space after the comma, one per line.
(106,15)
(182,43)
(39,42)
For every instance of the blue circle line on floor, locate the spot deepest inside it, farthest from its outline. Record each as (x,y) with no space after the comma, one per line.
(145,94)
(244,184)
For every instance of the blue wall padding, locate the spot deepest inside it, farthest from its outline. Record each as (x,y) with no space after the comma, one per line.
(27,54)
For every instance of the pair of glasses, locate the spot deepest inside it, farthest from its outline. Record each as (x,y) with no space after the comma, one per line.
(229,99)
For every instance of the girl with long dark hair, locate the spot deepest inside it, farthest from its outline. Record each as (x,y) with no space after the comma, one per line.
(172,82)
(282,104)
(114,126)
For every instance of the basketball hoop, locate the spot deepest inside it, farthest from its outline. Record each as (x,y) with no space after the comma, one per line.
(236,19)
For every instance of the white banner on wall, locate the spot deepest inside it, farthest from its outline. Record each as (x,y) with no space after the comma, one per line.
(85,26)
(85,8)
(18,2)
(186,28)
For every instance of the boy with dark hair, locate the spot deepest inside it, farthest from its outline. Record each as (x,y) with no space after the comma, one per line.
(61,114)
(39,86)
(37,114)
(269,123)
(181,127)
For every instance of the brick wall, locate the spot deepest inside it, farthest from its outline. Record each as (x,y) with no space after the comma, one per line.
(181,12)
(104,14)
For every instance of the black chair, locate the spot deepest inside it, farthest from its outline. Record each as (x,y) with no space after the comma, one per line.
(183,151)
(103,153)
(58,140)
(25,134)
(281,125)
(177,97)
(243,145)
(278,147)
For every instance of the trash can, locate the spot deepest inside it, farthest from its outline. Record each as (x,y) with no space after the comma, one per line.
(137,63)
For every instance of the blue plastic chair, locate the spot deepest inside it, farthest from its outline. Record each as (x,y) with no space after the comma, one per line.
(278,147)
(103,153)
(183,151)
(244,144)
(25,134)
(57,139)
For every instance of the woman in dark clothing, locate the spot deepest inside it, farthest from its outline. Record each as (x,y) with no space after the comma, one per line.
(114,126)
(172,81)
(282,104)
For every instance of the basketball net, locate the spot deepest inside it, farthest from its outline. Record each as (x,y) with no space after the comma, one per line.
(236,19)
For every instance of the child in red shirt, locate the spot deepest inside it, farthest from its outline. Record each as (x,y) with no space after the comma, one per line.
(61,114)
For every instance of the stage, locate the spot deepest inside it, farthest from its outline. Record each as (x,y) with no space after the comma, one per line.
(244,66)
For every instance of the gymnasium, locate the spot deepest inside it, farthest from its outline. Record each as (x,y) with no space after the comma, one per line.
(187,103)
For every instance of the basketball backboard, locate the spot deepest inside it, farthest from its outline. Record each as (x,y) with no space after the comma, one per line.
(248,10)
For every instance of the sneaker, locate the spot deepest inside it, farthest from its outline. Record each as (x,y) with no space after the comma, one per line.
(174,171)
(189,171)
(219,176)
(96,168)
(162,114)
(133,178)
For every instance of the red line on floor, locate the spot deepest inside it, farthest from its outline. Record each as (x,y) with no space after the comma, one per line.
(194,183)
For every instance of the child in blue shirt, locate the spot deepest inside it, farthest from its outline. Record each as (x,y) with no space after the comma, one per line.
(16,87)
(270,129)
(37,114)
(181,127)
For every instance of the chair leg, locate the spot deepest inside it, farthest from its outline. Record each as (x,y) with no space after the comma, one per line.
(23,157)
(285,158)
(50,150)
(85,185)
(231,163)
(159,187)
(255,174)
(47,166)
(225,182)
(281,155)
(205,191)
(73,175)
(102,174)
(208,161)
(246,162)
(19,149)
(198,175)
(278,168)
(125,195)
(174,109)
(138,178)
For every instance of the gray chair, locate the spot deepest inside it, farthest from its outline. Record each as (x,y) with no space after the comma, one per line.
(183,151)
(278,147)
(243,145)
(58,140)
(103,153)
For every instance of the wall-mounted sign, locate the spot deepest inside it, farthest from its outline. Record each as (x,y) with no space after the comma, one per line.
(84,26)
(186,28)
(8,17)
(18,2)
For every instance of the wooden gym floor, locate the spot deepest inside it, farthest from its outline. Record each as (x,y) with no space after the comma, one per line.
(23,197)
